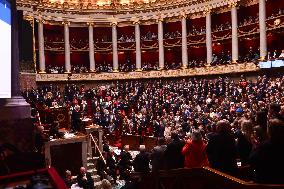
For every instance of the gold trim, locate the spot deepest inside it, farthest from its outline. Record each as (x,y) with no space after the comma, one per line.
(34,47)
(138,70)
(184,66)
(234,61)
(115,70)
(67,72)
(42,72)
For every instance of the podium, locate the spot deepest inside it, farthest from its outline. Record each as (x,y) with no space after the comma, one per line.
(60,114)
(97,132)
(69,153)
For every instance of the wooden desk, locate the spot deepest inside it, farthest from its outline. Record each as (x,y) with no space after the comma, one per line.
(70,153)
(97,132)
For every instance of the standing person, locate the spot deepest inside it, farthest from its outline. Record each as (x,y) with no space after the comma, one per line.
(221,149)
(194,151)
(267,158)
(173,156)
(125,161)
(141,161)
(76,118)
(157,155)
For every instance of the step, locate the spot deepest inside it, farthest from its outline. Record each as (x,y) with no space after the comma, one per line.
(92,171)
(96,178)
(90,166)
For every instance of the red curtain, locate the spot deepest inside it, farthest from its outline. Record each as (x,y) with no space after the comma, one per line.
(246,43)
(172,26)
(197,52)
(273,6)
(54,58)
(197,23)
(150,56)
(126,31)
(103,58)
(104,33)
(224,46)
(221,18)
(173,55)
(153,28)
(80,58)
(246,12)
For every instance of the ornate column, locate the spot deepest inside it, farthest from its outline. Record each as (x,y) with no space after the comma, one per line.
(41,47)
(67,47)
(161,44)
(208,37)
(91,47)
(184,42)
(235,44)
(114,47)
(262,30)
(138,46)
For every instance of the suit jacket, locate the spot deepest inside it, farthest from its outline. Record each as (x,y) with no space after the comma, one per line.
(173,156)
(141,162)
(157,157)
(222,153)
(86,184)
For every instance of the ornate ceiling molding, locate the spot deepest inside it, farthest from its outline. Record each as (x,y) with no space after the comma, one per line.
(76,13)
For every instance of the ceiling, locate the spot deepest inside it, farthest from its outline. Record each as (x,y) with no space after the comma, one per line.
(102,2)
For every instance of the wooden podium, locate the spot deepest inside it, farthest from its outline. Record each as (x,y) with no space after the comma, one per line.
(97,132)
(69,153)
(60,114)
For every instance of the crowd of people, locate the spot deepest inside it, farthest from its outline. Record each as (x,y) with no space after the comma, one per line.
(230,118)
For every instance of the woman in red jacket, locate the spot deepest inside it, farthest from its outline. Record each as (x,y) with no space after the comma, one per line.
(194,151)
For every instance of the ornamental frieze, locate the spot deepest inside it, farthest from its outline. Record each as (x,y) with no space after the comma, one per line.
(214,70)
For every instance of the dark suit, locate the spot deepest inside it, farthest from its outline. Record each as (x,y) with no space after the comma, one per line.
(173,156)
(267,160)
(141,162)
(85,183)
(222,153)
(157,157)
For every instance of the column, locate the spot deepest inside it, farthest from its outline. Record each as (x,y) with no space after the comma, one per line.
(161,44)
(91,47)
(235,44)
(138,46)
(114,48)
(208,38)
(262,30)
(184,43)
(41,47)
(67,48)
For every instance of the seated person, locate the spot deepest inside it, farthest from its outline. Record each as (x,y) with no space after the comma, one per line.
(68,178)
(281,56)
(85,179)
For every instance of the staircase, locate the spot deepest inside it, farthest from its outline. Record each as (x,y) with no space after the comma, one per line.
(91,168)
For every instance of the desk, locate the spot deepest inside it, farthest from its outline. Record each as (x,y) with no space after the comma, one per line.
(97,132)
(69,153)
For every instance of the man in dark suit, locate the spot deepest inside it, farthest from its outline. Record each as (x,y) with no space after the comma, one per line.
(157,155)
(173,156)
(85,179)
(267,158)
(125,161)
(141,161)
(221,149)
(76,118)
